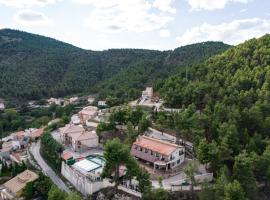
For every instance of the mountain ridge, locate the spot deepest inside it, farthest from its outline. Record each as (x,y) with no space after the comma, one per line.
(34,66)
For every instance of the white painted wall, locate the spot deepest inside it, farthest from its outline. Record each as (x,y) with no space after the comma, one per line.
(84,184)
(176,157)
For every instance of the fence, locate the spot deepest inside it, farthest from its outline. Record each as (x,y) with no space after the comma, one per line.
(130,188)
(183,185)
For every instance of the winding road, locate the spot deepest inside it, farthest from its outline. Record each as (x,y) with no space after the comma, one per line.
(47,170)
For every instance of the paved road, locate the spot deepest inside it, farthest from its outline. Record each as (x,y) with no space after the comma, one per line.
(46,168)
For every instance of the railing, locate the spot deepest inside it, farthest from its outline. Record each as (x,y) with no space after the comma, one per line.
(130,189)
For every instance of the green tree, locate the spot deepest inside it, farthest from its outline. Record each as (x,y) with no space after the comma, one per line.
(242,171)
(43,185)
(116,154)
(131,133)
(190,171)
(135,115)
(56,194)
(207,192)
(144,124)
(203,151)
(156,194)
(73,196)
(28,191)
(11,114)
(144,181)
(186,123)
(234,191)
(221,182)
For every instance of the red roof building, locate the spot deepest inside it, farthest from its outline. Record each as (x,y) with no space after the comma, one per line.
(161,154)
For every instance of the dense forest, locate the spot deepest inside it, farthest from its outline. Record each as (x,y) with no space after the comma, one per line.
(34,67)
(226,102)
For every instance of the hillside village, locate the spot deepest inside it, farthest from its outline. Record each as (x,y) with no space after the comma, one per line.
(160,154)
(187,124)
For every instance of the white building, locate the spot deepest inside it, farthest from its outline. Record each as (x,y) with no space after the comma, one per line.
(85,174)
(91,100)
(147,93)
(73,100)
(102,103)
(91,125)
(77,138)
(59,101)
(2,106)
(75,119)
(87,113)
(162,155)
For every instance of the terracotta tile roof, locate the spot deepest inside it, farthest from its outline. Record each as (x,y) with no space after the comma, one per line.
(88,112)
(19,182)
(36,133)
(86,135)
(70,128)
(159,146)
(20,134)
(67,155)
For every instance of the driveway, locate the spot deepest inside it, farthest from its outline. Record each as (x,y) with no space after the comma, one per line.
(47,170)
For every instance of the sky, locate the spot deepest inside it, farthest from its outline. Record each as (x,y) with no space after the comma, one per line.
(147,24)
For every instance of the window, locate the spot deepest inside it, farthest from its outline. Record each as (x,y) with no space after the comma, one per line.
(151,152)
(146,150)
(178,161)
(181,152)
(140,148)
(157,154)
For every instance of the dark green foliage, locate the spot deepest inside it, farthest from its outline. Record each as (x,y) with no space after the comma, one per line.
(105,127)
(56,194)
(144,124)
(73,196)
(242,171)
(24,117)
(28,191)
(233,191)
(231,94)
(33,66)
(51,150)
(38,188)
(144,181)
(156,194)
(207,192)
(12,170)
(118,154)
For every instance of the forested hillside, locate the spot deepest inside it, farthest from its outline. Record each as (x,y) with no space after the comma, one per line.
(33,67)
(228,114)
